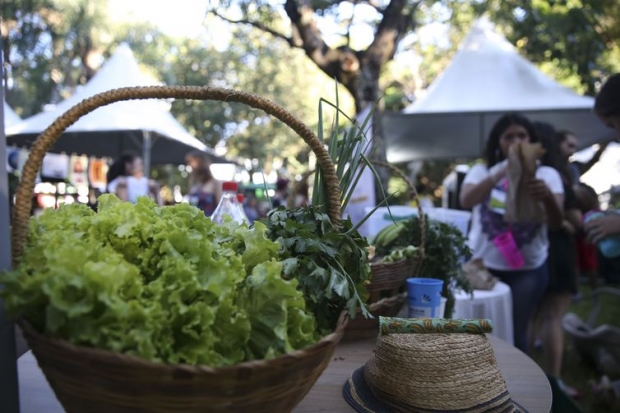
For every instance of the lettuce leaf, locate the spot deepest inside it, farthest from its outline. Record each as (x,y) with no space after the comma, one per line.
(277,312)
(165,284)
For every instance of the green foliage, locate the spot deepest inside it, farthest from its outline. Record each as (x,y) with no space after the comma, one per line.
(277,314)
(253,65)
(329,259)
(436,52)
(574,41)
(56,45)
(165,284)
(445,248)
(330,262)
(49,46)
(53,46)
(400,254)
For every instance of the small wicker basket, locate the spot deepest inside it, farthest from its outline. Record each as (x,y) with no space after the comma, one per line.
(97,381)
(361,327)
(387,287)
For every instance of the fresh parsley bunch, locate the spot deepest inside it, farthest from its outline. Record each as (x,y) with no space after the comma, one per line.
(329,261)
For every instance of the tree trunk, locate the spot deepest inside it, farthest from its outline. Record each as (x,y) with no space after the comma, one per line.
(367,90)
(358,71)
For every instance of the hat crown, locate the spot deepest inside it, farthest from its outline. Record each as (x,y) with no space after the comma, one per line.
(438,372)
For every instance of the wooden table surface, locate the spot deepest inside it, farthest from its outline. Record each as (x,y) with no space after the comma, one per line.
(526,382)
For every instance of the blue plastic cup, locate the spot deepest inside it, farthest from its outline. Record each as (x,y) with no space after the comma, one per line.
(424,297)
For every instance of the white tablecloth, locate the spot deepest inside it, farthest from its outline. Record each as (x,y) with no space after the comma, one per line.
(495,305)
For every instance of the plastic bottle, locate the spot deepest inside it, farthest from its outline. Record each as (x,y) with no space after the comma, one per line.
(609,247)
(228,205)
(240,198)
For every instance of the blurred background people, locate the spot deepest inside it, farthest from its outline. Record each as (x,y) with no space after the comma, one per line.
(251,208)
(204,190)
(587,255)
(568,144)
(607,108)
(126,179)
(561,264)
(93,194)
(281,194)
(607,103)
(301,194)
(484,190)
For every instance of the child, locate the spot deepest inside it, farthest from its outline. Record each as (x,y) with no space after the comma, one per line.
(587,262)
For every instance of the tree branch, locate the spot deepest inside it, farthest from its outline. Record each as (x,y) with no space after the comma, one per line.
(395,24)
(257,25)
(341,64)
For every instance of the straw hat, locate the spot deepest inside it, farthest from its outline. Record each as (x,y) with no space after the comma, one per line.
(437,372)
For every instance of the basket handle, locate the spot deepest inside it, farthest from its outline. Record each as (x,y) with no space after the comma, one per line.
(49,136)
(416,197)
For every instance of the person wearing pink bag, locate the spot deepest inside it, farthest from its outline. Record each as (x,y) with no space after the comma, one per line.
(515,253)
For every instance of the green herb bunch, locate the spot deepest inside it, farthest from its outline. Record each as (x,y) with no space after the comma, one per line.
(445,248)
(329,259)
(330,262)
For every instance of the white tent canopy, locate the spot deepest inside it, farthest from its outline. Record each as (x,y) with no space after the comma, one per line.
(486,79)
(137,125)
(10,117)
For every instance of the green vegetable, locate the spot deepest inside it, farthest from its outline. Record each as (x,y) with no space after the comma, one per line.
(399,254)
(444,250)
(165,284)
(330,263)
(389,234)
(278,325)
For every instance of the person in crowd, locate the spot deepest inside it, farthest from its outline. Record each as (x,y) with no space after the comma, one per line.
(93,194)
(204,190)
(572,171)
(425,195)
(126,179)
(484,190)
(281,194)
(607,108)
(587,255)
(561,264)
(568,147)
(302,198)
(251,208)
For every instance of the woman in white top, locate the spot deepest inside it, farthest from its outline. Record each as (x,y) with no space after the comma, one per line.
(484,190)
(126,179)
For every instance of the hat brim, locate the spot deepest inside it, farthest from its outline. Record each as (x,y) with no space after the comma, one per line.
(358,393)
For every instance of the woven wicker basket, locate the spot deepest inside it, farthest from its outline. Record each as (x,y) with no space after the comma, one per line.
(387,287)
(97,381)
(391,275)
(361,327)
